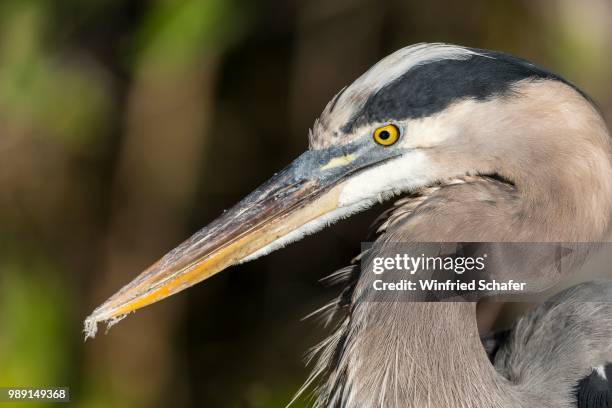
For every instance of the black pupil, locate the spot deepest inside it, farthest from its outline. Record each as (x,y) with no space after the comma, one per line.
(384,135)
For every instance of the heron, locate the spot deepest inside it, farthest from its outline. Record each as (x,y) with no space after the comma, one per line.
(474,146)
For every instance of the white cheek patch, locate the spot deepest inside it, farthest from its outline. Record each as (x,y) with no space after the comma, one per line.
(441,127)
(407,172)
(428,132)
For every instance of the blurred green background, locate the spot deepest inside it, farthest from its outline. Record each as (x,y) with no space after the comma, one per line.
(127,125)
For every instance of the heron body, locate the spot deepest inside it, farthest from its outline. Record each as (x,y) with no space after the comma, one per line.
(482,147)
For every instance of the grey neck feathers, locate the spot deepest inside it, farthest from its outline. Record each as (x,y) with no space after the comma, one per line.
(433,358)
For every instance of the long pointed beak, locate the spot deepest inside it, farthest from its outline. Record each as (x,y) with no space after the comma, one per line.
(304,191)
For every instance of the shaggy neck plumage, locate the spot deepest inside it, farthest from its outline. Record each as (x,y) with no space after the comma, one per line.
(439,361)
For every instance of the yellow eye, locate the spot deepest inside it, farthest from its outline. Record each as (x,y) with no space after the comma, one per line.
(386,135)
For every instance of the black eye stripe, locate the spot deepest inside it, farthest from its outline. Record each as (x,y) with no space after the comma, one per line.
(431,87)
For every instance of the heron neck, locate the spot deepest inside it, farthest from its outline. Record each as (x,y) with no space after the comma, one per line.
(430,356)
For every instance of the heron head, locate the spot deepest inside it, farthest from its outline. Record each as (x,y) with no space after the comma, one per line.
(424,114)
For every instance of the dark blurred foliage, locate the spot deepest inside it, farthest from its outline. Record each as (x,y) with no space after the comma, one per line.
(126,125)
